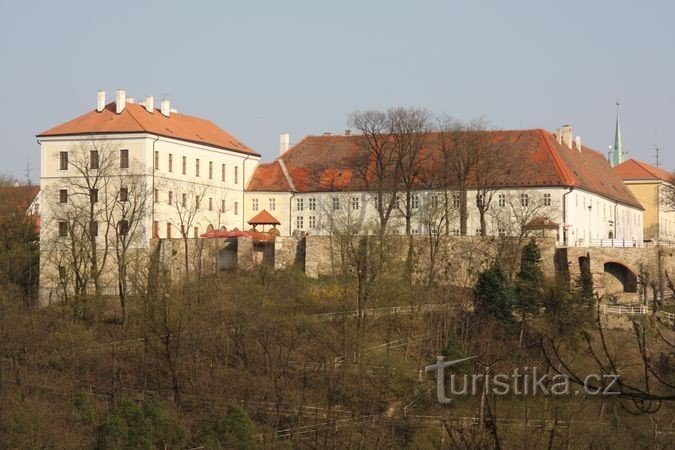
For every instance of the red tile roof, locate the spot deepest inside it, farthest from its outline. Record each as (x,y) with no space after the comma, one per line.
(633,169)
(268,178)
(264,218)
(531,158)
(136,119)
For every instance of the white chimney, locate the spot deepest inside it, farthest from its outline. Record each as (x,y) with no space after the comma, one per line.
(566,132)
(150,104)
(100,101)
(130,100)
(120,100)
(165,107)
(558,136)
(284,143)
(348,132)
(174,111)
(577,142)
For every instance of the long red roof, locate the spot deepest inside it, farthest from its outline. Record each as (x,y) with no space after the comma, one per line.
(528,158)
(136,119)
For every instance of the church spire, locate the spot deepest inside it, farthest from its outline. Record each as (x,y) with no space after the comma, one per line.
(617,150)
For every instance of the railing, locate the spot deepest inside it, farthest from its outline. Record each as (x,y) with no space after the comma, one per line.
(624,309)
(620,243)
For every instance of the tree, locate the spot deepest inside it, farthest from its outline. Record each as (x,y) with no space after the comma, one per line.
(234,430)
(460,146)
(529,287)
(379,170)
(494,295)
(19,240)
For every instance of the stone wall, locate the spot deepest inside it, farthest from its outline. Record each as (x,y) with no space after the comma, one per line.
(458,259)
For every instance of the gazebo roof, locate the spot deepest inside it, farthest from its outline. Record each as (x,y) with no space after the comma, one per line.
(264,218)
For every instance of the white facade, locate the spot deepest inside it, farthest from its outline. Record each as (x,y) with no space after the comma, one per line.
(583,217)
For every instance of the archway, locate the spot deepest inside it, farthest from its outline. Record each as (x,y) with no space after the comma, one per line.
(623,274)
(209,228)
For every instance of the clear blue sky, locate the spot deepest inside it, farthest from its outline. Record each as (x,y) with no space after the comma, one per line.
(259,68)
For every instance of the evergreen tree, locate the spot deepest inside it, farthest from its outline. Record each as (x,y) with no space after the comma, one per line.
(529,289)
(494,294)
(234,431)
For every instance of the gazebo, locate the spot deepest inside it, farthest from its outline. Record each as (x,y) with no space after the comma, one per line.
(264,218)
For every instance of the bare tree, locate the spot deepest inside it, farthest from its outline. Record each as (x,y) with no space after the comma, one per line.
(187,207)
(379,171)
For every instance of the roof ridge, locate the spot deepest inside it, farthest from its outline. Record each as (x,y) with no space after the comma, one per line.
(560,166)
(286,174)
(135,119)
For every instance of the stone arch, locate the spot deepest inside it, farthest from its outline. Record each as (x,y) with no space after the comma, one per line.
(223,228)
(625,275)
(209,228)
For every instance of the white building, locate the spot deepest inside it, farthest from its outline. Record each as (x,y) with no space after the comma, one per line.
(541,175)
(190,174)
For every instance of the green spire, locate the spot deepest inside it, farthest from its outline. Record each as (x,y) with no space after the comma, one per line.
(617,153)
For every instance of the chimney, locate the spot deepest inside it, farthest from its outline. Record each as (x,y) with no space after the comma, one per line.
(165,108)
(577,142)
(120,100)
(558,136)
(348,132)
(284,143)
(100,101)
(150,104)
(566,134)
(173,111)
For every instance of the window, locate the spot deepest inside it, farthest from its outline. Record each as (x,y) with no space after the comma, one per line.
(312,221)
(254,204)
(312,204)
(63,160)
(63,195)
(93,196)
(155,229)
(415,201)
(62,274)
(170,197)
(210,204)
(122,227)
(184,165)
(502,200)
(156,160)
(455,231)
(273,204)
(355,203)
(170,162)
(196,232)
(197,199)
(236,174)
(547,199)
(434,201)
(168,230)
(336,203)
(124,194)
(524,200)
(93,159)
(479,200)
(156,195)
(300,204)
(197,167)
(93,228)
(455,200)
(222,172)
(63,228)
(222,206)
(501,232)
(299,222)
(210,170)
(124,158)
(236,208)
(184,201)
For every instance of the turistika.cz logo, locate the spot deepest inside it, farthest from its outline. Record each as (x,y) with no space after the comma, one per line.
(521,381)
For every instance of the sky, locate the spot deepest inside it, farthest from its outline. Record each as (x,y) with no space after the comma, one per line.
(260,68)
